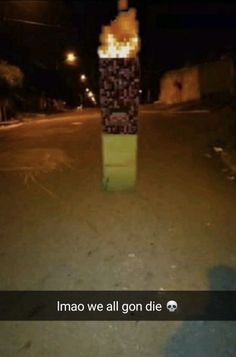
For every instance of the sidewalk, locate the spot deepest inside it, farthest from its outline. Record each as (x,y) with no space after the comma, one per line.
(28,117)
(10,124)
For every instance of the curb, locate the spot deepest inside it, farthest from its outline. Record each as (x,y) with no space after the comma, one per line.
(9,123)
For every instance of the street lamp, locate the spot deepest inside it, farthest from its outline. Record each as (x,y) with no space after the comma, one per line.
(71,58)
(83,78)
(91,96)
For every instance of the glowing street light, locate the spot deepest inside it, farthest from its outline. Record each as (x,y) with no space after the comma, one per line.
(90,94)
(83,78)
(93,100)
(71,58)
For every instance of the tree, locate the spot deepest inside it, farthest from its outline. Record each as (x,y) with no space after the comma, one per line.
(11,79)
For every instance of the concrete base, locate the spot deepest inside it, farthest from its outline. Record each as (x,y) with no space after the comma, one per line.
(119,162)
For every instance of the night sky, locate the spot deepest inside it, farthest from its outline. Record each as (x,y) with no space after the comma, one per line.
(173,34)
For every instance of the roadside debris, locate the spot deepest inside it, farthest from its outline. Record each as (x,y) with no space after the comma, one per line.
(131,255)
(218,149)
(208,156)
(231,178)
(77,123)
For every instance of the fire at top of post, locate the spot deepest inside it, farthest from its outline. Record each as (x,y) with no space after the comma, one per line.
(121,39)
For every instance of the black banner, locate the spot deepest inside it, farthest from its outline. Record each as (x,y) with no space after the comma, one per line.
(117,305)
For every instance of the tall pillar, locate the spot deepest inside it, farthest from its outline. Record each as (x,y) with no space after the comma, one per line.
(119,97)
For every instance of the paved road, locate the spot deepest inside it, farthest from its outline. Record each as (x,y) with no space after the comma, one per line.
(59,231)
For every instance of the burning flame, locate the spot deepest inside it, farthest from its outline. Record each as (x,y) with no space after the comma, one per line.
(123,5)
(120,39)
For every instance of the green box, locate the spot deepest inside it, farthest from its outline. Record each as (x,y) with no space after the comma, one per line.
(119,162)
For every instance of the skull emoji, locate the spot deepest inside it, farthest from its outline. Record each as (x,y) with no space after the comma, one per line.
(172,305)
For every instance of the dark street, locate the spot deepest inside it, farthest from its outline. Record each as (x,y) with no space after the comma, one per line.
(175,232)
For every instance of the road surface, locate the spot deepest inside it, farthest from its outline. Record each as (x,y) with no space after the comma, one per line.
(60,231)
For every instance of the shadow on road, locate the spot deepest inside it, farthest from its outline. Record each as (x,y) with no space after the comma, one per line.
(207,338)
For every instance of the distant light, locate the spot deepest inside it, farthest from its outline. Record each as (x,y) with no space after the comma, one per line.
(87,90)
(71,57)
(90,94)
(83,78)
(140,91)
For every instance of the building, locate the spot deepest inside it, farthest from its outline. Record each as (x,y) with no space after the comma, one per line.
(207,81)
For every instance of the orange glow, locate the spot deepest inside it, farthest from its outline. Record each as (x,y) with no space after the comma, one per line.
(71,57)
(123,5)
(120,39)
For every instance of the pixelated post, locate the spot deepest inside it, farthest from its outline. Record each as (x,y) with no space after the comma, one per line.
(119,98)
